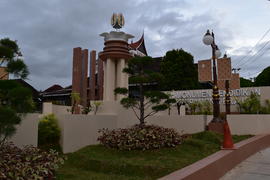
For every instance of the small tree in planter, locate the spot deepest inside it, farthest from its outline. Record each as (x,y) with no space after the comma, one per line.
(75,98)
(96,105)
(140,74)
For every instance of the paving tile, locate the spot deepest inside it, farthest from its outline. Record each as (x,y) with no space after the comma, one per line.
(256,167)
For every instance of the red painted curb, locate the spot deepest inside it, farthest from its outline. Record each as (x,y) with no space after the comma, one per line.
(216,165)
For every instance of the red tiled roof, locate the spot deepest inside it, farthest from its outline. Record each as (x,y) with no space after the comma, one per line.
(139,45)
(54,88)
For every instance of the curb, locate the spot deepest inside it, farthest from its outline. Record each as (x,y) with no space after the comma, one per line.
(216,165)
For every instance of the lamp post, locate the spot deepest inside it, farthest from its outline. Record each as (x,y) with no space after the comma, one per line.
(209,39)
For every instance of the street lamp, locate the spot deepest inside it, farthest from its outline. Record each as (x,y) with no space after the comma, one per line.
(209,39)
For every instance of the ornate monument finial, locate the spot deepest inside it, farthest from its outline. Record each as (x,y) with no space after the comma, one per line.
(117,20)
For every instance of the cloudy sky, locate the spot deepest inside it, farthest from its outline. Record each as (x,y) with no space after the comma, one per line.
(47,31)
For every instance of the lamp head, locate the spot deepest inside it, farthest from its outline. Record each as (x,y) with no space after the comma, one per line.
(217,52)
(208,38)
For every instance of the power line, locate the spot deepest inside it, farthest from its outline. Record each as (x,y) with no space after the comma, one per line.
(250,58)
(250,75)
(260,67)
(253,47)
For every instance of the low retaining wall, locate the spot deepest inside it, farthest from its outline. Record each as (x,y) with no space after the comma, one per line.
(81,130)
(215,166)
(78,131)
(27,131)
(249,124)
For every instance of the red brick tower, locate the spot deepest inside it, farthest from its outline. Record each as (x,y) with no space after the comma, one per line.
(92,79)
(79,75)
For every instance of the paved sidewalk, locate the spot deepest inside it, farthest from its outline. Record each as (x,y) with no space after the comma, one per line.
(256,167)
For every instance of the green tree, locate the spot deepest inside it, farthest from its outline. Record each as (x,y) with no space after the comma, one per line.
(246,82)
(15,100)
(10,56)
(179,71)
(148,102)
(263,79)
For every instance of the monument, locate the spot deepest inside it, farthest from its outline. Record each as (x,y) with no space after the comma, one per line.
(115,55)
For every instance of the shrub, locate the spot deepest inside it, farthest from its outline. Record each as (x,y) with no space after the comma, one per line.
(203,107)
(140,137)
(250,105)
(49,133)
(28,162)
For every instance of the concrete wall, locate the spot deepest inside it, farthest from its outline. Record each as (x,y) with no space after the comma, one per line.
(49,108)
(59,109)
(81,130)
(249,124)
(78,131)
(27,131)
(183,124)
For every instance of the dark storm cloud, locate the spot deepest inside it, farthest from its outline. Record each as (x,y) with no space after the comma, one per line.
(47,31)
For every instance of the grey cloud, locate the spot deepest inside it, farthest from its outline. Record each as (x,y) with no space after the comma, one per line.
(254,61)
(47,31)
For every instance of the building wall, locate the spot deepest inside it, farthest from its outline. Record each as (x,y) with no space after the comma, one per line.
(4,75)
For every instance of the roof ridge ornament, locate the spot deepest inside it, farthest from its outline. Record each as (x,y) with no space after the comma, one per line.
(117,21)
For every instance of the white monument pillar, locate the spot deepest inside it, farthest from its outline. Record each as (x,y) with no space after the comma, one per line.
(121,76)
(115,55)
(105,80)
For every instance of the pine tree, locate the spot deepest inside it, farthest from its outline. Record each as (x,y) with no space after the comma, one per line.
(15,100)
(148,102)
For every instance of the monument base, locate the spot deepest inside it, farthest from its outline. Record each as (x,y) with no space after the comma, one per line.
(216,127)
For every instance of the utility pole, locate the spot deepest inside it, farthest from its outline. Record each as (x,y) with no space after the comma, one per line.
(235,70)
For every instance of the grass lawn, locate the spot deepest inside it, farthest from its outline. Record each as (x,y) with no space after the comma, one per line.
(100,163)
